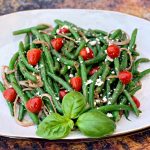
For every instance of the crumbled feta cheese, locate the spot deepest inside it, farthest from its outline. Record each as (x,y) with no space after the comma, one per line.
(57,31)
(109,103)
(58,59)
(81,62)
(104,99)
(106,51)
(109,115)
(65,26)
(113,72)
(99,82)
(98,100)
(37,66)
(38,93)
(110,59)
(97,39)
(88,82)
(87,50)
(69,67)
(71,75)
(92,43)
(57,98)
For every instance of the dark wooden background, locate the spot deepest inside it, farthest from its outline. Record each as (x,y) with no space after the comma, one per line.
(135,141)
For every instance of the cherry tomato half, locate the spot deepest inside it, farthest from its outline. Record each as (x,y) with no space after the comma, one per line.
(125,76)
(136,101)
(113,51)
(93,70)
(10,94)
(63,30)
(86,53)
(34,105)
(62,93)
(76,83)
(33,56)
(57,43)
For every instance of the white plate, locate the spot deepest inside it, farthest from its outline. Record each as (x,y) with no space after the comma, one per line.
(105,20)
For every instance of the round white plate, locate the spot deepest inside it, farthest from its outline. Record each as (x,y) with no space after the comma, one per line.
(105,20)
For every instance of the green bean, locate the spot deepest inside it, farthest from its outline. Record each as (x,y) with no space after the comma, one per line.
(114,107)
(115,34)
(66,53)
(116,92)
(59,22)
(29,94)
(24,60)
(74,33)
(95,60)
(84,77)
(67,78)
(10,105)
(129,98)
(106,71)
(92,87)
(116,116)
(57,65)
(54,30)
(47,86)
(63,70)
(25,72)
(27,42)
(137,62)
(97,31)
(117,65)
(71,46)
(60,81)
(21,112)
(133,39)
(142,74)
(108,89)
(102,40)
(63,59)
(134,90)
(82,45)
(28,30)
(124,60)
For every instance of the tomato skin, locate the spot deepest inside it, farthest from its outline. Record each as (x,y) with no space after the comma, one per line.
(34,104)
(136,101)
(86,53)
(57,43)
(10,94)
(125,76)
(113,51)
(93,70)
(33,56)
(76,83)
(63,30)
(62,93)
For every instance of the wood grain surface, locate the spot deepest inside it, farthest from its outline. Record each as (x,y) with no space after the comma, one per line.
(135,141)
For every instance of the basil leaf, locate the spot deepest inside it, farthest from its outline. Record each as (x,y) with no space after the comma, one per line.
(54,126)
(95,124)
(73,104)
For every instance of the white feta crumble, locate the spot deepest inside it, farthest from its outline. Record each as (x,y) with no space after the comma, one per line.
(104,99)
(97,39)
(57,31)
(65,26)
(99,82)
(109,103)
(92,43)
(105,51)
(69,67)
(86,40)
(36,67)
(58,59)
(110,59)
(71,75)
(109,115)
(87,50)
(57,98)
(88,82)
(81,62)
(113,72)
(38,93)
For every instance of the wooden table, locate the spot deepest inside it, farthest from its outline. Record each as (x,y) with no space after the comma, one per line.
(135,141)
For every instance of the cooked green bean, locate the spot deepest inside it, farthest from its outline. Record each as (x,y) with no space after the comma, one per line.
(21,112)
(133,39)
(115,34)
(27,42)
(116,65)
(124,60)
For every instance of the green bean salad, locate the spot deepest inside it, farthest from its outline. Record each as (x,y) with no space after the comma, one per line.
(69,78)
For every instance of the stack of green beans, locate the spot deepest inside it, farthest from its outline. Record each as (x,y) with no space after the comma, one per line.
(56,68)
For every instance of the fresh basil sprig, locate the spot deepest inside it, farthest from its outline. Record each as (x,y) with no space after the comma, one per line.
(73,104)
(93,123)
(55,126)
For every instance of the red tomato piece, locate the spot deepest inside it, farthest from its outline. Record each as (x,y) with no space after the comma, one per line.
(136,101)
(86,53)
(34,105)
(10,94)
(125,76)
(63,30)
(76,83)
(57,43)
(33,56)
(93,70)
(113,51)
(62,93)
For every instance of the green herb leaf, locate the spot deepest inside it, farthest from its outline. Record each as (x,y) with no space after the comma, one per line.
(95,124)
(73,104)
(54,126)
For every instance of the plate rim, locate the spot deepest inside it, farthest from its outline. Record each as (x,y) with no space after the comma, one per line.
(82,10)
